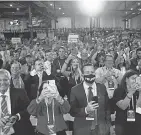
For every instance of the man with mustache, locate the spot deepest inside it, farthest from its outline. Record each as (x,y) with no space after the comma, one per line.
(89,106)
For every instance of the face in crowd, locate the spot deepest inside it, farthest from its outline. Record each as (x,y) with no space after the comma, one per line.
(61,53)
(139,54)
(16,55)
(131,80)
(15,68)
(39,66)
(89,74)
(122,60)
(139,64)
(84,54)
(75,63)
(29,60)
(109,61)
(4,81)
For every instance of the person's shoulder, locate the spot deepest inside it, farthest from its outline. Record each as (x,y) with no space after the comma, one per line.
(133,59)
(77,87)
(18,90)
(99,69)
(55,60)
(102,86)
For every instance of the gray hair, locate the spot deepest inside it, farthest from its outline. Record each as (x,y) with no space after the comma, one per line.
(5,72)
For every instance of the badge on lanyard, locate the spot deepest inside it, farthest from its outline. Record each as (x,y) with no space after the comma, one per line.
(51,126)
(111,85)
(51,130)
(131,112)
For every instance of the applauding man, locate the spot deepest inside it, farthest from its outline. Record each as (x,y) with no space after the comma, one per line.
(14,119)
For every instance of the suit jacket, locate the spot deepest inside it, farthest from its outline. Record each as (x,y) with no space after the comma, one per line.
(33,83)
(134,63)
(78,102)
(40,111)
(19,103)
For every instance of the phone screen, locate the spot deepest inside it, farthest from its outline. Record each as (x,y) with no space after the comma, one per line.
(95,98)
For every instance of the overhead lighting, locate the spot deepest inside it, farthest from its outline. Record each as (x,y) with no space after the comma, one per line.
(133,13)
(131,8)
(140,9)
(51,4)
(11,5)
(91,7)
(139,4)
(126,12)
(63,13)
(59,8)
(18,9)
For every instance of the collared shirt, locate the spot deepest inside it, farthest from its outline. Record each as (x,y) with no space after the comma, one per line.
(86,88)
(100,72)
(8,100)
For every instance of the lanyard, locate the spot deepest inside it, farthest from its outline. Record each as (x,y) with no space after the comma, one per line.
(132,101)
(59,65)
(52,112)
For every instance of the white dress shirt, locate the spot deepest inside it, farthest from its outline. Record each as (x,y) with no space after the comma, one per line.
(86,88)
(8,100)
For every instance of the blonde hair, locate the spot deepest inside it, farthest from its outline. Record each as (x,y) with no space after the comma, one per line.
(78,69)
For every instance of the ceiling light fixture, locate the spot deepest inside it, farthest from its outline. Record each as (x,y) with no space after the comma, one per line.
(139,4)
(18,9)
(131,8)
(59,8)
(133,13)
(140,9)
(51,4)
(11,5)
(126,12)
(63,13)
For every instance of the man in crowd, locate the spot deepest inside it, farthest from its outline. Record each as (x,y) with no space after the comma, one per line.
(108,75)
(13,113)
(56,71)
(92,117)
(36,77)
(134,61)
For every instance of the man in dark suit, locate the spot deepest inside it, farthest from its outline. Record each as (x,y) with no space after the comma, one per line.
(91,117)
(13,108)
(35,79)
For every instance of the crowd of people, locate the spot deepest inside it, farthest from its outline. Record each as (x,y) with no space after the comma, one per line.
(81,88)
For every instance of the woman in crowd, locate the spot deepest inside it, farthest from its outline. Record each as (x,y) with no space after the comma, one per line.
(74,75)
(49,108)
(127,98)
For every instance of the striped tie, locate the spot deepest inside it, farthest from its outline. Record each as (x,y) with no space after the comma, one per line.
(4,110)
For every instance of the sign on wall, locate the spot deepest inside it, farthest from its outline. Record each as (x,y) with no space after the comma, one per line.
(16,40)
(73,38)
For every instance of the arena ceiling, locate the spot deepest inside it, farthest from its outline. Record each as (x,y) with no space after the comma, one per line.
(52,10)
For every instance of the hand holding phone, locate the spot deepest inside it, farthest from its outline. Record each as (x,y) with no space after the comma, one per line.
(95,99)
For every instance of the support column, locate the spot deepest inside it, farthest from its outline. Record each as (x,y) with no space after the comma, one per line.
(30,23)
(72,22)
(55,14)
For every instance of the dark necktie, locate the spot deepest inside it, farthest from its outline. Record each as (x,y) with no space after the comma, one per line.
(90,94)
(4,112)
